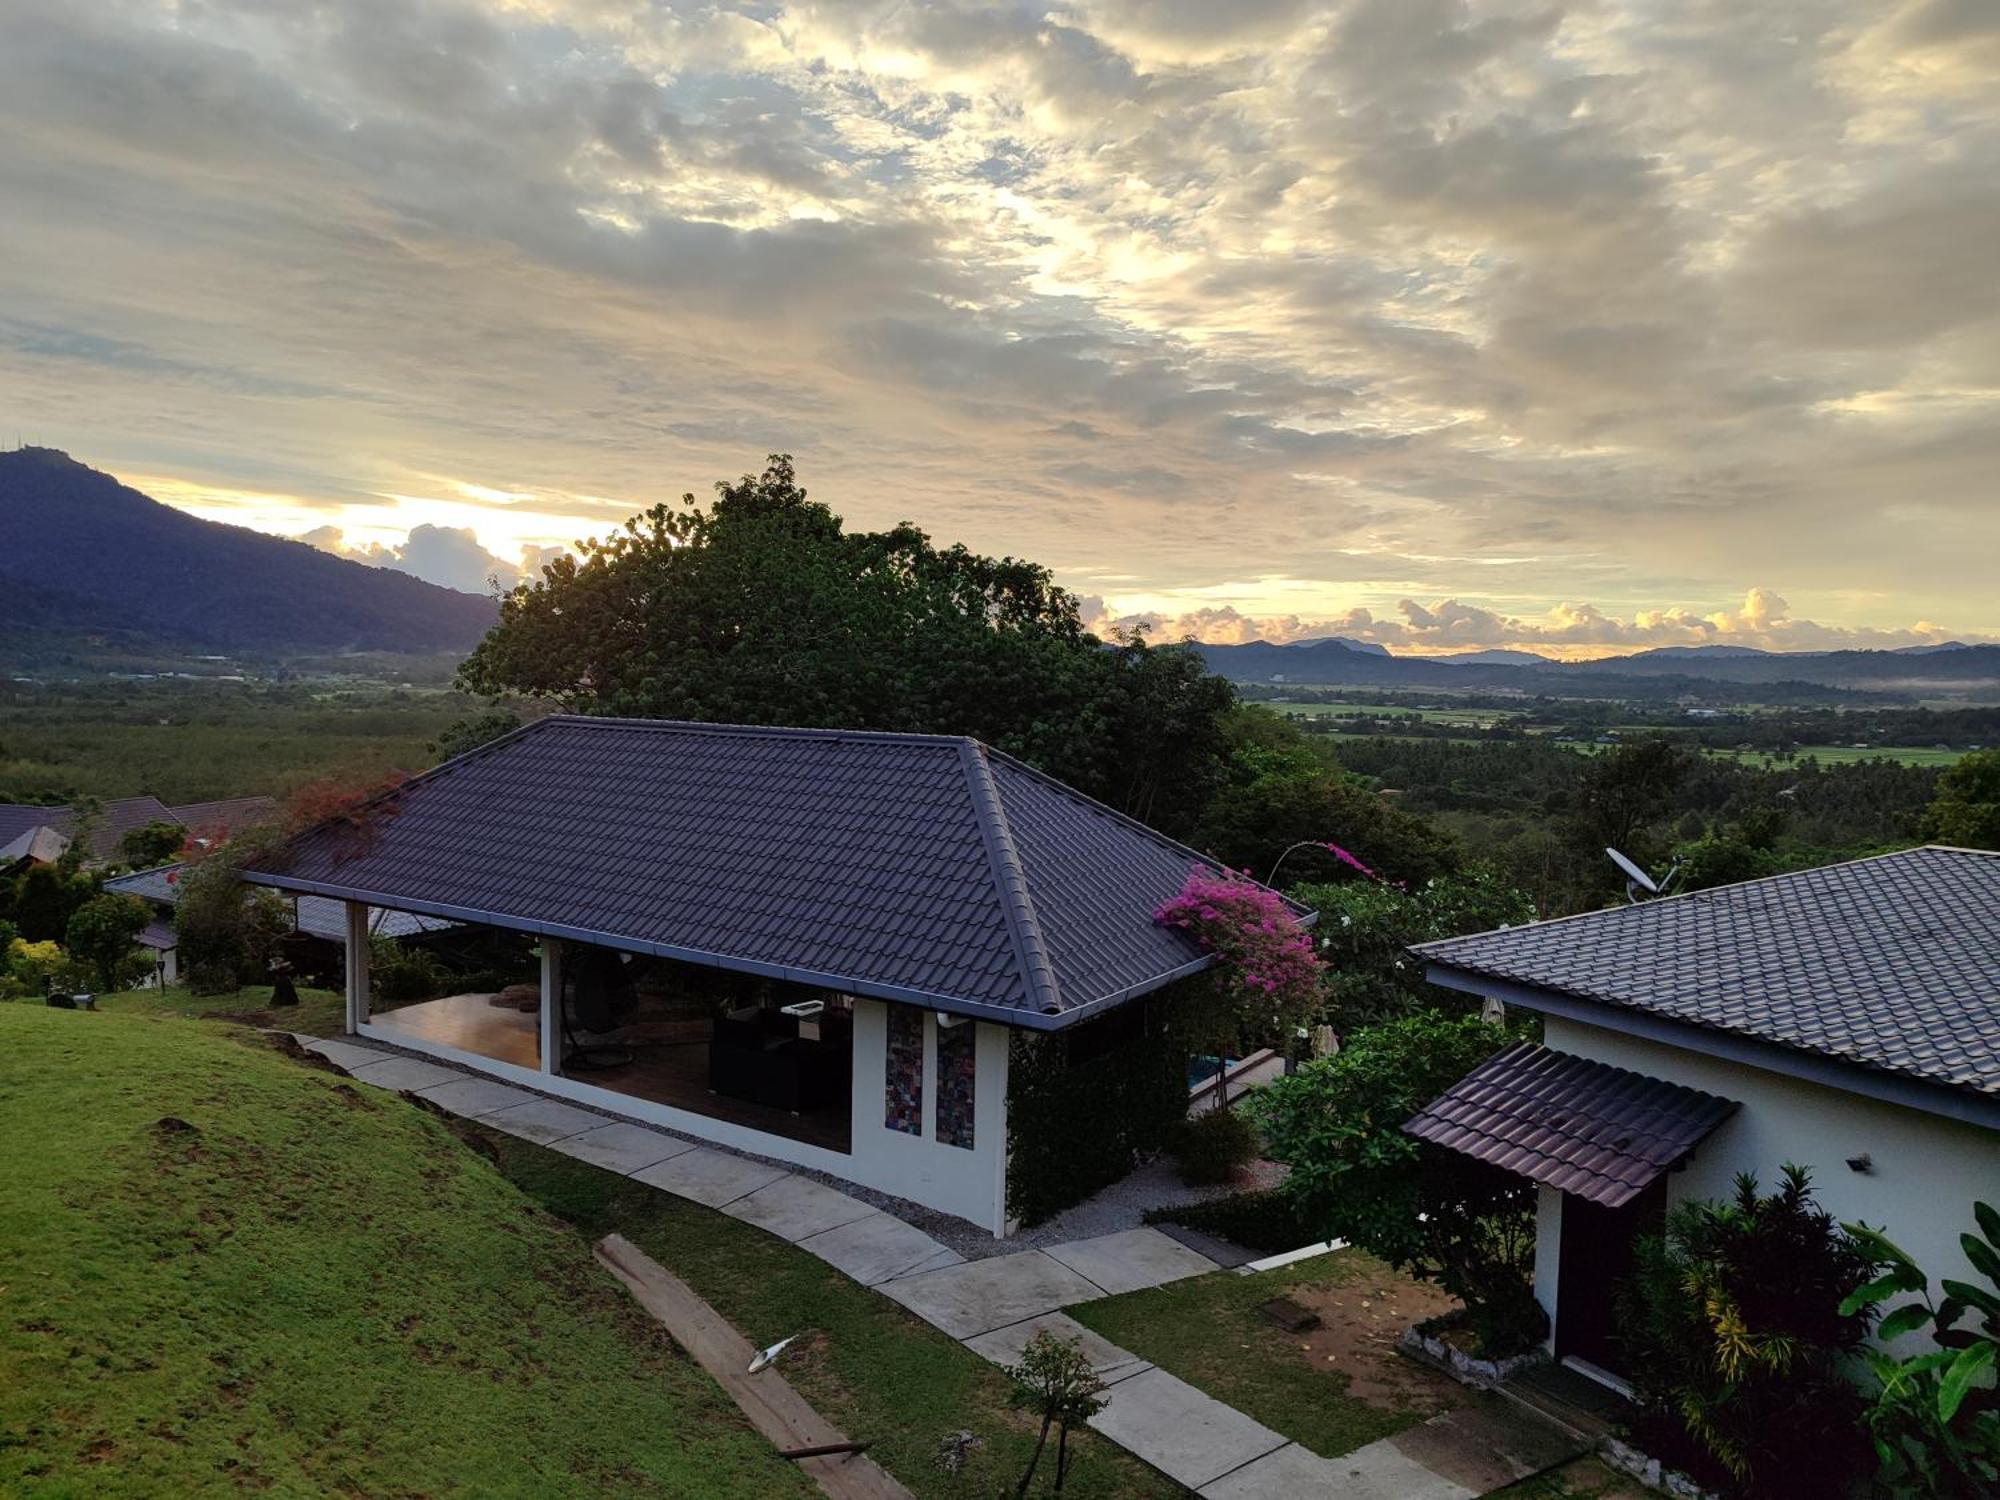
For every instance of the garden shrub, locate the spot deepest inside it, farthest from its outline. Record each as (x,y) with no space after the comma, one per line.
(397,975)
(1267,1220)
(1738,1327)
(1211,1146)
(1358,1176)
(102,934)
(228,931)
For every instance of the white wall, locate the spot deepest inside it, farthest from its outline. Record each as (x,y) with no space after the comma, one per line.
(968,1183)
(1925,1171)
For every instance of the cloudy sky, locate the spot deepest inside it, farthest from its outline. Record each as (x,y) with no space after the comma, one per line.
(1440,324)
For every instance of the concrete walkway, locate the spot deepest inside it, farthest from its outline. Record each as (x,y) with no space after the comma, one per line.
(994,1305)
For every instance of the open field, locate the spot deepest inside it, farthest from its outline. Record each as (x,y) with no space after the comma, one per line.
(201,741)
(229,1271)
(1476,718)
(1843,755)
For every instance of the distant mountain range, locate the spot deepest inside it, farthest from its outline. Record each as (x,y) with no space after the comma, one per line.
(86,562)
(1950,669)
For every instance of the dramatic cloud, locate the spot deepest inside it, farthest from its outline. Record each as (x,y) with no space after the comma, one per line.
(447,555)
(1764,621)
(1281,311)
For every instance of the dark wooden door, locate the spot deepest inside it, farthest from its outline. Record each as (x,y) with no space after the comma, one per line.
(1597,1253)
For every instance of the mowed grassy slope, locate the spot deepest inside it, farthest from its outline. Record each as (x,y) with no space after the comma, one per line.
(224,1270)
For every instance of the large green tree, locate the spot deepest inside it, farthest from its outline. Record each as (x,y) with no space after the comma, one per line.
(1966,810)
(762,608)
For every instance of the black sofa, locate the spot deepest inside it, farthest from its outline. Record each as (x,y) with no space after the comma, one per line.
(757,1055)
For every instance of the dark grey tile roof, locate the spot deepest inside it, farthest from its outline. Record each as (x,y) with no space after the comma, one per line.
(1600,1132)
(921,867)
(228,817)
(1891,963)
(317,916)
(116,818)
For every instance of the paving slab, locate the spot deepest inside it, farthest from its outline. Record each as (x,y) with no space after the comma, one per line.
(623,1147)
(1132,1259)
(795,1208)
(348,1055)
(874,1248)
(1185,1434)
(711,1178)
(1004,1345)
(982,1295)
(944,1257)
(544,1121)
(1486,1446)
(404,1074)
(475,1096)
(1376,1472)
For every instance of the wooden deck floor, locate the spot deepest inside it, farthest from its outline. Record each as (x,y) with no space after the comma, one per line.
(671,1073)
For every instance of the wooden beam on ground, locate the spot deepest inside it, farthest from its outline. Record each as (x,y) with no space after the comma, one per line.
(773,1407)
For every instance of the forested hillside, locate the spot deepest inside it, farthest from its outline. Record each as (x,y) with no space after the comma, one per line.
(88,562)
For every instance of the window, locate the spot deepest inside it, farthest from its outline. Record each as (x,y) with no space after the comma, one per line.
(956,1066)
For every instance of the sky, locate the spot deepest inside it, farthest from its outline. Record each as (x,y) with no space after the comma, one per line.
(1574,326)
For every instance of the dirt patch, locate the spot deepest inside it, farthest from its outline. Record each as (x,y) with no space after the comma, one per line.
(1361,1319)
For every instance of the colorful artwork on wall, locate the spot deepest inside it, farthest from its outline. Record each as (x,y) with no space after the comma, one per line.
(956,1066)
(903,1087)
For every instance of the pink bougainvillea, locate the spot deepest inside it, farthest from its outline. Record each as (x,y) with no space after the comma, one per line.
(1265,963)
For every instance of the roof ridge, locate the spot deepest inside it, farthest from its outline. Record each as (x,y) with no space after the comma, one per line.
(1165,840)
(798,731)
(1602,912)
(1038,974)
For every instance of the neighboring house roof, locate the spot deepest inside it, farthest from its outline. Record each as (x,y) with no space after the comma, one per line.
(40,845)
(1890,963)
(228,817)
(1596,1131)
(317,916)
(116,818)
(923,868)
(160,936)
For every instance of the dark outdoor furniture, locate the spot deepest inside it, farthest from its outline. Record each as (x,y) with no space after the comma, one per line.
(758,1055)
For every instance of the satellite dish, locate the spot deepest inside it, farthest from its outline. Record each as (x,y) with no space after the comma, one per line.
(1634,876)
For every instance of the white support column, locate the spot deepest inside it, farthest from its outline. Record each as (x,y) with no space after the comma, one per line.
(357,965)
(551,1005)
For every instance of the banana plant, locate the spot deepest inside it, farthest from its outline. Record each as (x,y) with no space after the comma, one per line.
(1935,1420)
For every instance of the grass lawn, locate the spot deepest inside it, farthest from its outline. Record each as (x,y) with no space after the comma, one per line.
(318,1013)
(873,1369)
(226,1270)
(1208,1331)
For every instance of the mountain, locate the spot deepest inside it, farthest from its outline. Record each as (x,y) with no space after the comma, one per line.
(85,558)
(1367,648)
(1661,674)
(1700,653)
(1493,656)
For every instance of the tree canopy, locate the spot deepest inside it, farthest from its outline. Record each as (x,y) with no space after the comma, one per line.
(1966,811)
(762,608)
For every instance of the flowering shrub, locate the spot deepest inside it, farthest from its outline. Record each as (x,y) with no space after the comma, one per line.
(1265,966)
(1266,977)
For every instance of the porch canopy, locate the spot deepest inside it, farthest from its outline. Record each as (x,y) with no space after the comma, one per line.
(1602,1133)
(919,868)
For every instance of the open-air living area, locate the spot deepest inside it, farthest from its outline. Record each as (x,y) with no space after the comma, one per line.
(900,960)
(759,1054)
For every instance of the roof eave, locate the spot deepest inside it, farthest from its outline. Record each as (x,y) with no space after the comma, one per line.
(1003,1015)
(1846,1075)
